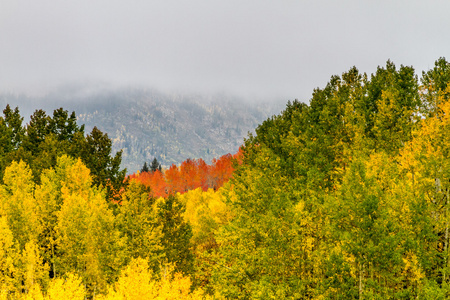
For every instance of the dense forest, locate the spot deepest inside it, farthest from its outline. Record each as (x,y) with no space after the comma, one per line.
(346,197)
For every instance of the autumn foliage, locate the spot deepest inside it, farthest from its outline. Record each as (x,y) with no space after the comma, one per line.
(345,198)
(190,175)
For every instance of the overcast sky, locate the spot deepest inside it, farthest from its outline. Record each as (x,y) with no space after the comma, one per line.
(279,49)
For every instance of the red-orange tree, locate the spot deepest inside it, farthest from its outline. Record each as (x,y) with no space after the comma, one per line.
(191,174)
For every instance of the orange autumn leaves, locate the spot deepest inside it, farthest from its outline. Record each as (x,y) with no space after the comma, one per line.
(190,175)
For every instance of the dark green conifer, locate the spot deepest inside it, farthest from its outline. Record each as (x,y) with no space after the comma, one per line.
(155,165)
(145,168)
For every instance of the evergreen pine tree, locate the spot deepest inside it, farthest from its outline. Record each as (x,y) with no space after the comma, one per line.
(155,165)
(145,168)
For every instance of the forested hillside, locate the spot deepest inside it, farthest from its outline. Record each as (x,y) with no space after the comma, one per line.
(346,197)
(147,124)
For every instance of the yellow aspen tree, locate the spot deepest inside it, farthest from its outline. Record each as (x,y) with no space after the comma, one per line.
(35,273)
(69,287)
(205,212)
(8,257)
(173,285)
(88,242)
(137,281)
(17,203)
(18,206)
(34,294)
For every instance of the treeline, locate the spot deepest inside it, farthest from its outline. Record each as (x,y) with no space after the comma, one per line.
(190,175)
(45,138)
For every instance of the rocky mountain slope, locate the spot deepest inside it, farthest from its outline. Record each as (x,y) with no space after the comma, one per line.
(147,124)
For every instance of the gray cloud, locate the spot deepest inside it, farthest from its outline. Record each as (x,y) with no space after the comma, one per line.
(262,48)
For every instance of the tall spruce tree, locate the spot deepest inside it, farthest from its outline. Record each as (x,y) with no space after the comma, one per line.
(145,168)
(155,165)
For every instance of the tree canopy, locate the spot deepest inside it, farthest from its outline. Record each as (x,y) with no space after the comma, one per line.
(347,197)
(40,142)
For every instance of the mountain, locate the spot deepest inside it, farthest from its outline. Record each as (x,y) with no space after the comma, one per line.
(146,123)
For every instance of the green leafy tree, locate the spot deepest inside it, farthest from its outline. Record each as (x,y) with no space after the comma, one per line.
(48,202)
(434,89)
(425,160)
(138,223)
(374,241)
(393,99)
(176,233)
(267,248)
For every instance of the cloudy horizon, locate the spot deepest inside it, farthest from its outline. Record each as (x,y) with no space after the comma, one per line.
(279,49)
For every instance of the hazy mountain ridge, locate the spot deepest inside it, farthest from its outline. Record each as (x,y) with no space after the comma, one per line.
(148,124)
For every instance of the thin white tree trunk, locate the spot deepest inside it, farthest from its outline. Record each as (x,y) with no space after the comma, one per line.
(446,237)
(361,271)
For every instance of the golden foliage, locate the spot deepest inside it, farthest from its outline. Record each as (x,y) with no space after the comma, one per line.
(70,287)
(138,282)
